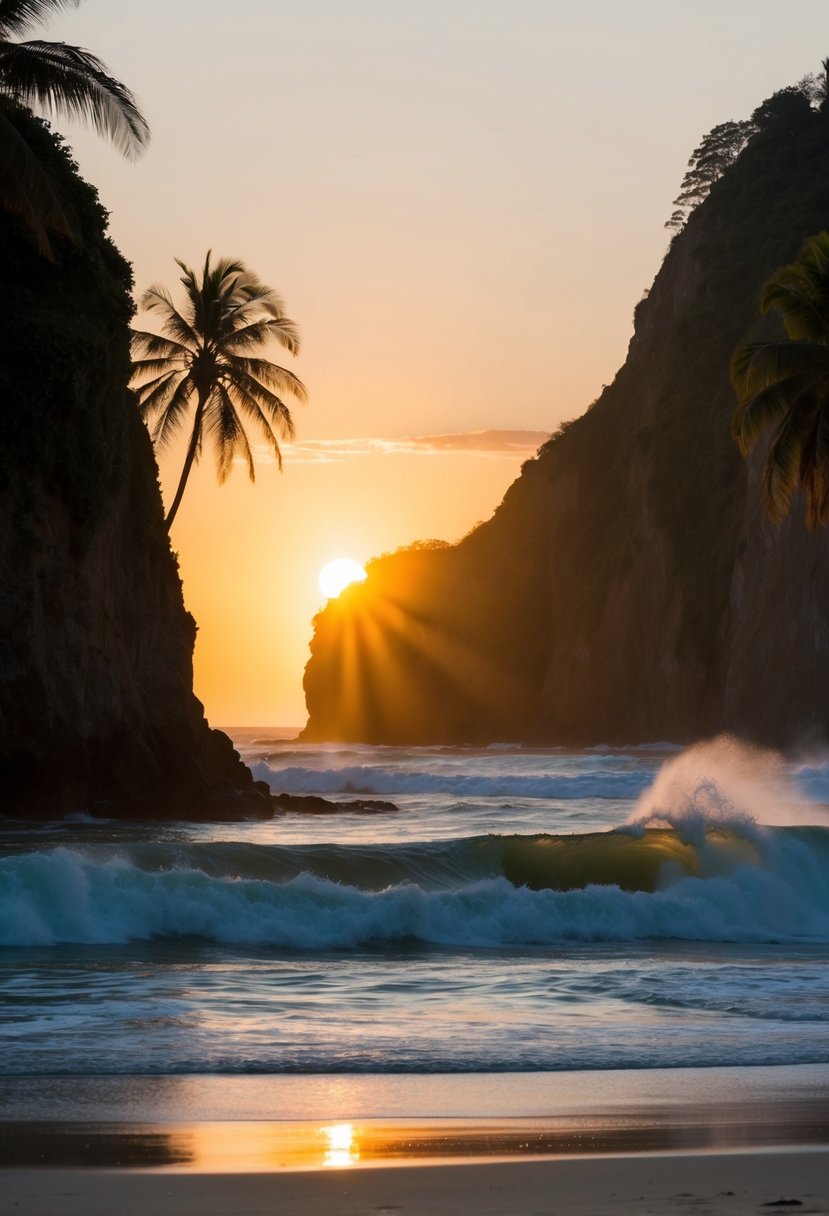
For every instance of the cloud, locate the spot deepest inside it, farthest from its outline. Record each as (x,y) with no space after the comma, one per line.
(474,443)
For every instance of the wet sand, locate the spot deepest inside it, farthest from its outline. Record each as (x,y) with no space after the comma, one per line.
(694,1141)
(727,1183)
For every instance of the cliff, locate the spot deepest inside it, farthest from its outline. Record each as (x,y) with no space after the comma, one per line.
(97,711)
(629,588)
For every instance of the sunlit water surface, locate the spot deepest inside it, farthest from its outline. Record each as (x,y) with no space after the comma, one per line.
(407,941)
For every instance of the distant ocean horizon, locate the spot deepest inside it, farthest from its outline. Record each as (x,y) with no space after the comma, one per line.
(690,927)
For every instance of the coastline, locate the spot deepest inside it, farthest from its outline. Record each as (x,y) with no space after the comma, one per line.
(719,1140)
(732,1183)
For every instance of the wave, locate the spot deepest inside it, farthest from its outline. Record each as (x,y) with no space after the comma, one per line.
(766,886)
(368,779)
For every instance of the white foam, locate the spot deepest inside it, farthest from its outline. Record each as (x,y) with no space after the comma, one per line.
(731,784)
(66,895)
(370,779)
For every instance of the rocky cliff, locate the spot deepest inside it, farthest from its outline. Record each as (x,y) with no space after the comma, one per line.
(97,711)
(629,588)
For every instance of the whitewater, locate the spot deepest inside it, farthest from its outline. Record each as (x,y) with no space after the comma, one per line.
(519,911)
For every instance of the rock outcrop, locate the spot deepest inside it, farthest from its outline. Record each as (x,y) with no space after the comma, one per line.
(629,588)
(97,711)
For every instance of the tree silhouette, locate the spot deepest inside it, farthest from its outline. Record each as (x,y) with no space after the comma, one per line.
(60,80)
(783,386)
(205,354)
(717,151)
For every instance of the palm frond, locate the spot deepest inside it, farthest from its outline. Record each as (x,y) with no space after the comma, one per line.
(803,317)
(255,334)
(814,466)
(172,416)
(153,395)
(249,292)
(246,317)
(229,436)
(255,412)
(782,472)
(759,364)
(67,80)
(145,367)
(270,375)
(767,409)
(156,346)
(175,326)
(17,16)
(272,407)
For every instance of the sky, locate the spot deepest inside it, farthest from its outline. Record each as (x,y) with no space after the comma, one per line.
(461,202)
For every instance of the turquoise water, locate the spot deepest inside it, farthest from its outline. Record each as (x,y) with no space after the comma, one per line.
(521,911)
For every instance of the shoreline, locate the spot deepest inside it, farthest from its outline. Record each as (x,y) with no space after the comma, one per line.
(257,1124)
(718,1141)
(726,1183)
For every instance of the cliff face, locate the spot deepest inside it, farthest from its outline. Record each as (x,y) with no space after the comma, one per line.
(629,588)
(97,711)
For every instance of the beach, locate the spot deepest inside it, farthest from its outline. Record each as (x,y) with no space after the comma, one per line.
(531,981)
(714,1140)
(727,1183)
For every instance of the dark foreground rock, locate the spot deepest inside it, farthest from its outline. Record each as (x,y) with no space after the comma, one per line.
(312,804)
(97,711)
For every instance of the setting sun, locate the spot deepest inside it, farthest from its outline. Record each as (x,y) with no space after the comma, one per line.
(338,575)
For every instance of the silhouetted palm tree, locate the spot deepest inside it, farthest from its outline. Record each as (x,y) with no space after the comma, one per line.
(783,386)
(61,80)
(205,354)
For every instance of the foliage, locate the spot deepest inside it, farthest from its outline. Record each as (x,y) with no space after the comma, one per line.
(64,81)
(207,353)
(64,353)
(788,112)
(783,386)
(718,150)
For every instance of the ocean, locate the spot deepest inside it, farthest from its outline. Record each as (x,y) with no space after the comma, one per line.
(521,911)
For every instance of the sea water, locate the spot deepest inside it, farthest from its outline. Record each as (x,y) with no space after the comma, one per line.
(520,911)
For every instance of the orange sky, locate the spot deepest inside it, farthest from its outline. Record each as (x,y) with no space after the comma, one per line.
(461,201)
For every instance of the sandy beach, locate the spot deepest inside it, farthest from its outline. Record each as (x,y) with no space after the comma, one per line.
(727,1183)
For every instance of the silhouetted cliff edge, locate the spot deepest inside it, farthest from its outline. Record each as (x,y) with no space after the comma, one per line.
(629,588)
(97,711)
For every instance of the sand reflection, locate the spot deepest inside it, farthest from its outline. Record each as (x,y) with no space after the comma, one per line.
(343,1148)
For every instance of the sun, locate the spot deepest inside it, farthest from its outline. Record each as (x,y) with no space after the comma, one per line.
(338,574)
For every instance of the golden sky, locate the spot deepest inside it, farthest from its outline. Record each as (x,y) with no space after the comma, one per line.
(461,202)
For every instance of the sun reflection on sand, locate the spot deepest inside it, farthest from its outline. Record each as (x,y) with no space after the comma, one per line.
(343,1148)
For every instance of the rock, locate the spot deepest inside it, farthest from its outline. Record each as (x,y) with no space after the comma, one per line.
(312,804)
(97,711)
(630,587)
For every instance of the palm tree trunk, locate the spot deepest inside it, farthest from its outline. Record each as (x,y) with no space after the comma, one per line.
(192,448)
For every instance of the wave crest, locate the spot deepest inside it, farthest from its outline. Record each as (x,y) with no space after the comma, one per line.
(67,895)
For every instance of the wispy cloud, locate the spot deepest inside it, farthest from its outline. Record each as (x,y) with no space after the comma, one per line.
(474,443)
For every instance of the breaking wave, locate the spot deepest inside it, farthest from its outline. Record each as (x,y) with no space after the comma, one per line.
(764,885)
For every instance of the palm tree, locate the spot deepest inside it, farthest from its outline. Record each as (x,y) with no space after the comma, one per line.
(783,386)
(61,80)
(205,354)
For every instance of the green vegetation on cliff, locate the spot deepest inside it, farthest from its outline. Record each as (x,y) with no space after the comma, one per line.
(783,387)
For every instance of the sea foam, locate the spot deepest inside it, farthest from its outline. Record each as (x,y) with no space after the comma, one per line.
(71,895)
(370,779)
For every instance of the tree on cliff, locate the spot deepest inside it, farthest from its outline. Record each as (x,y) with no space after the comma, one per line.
(62,80)
(205,354)
(718,150)
(787,111)
(783,386)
